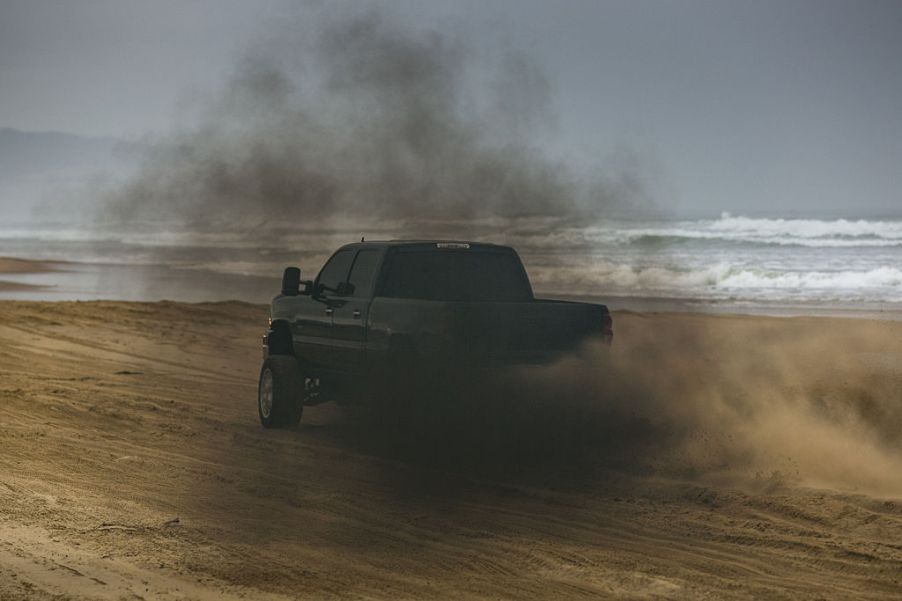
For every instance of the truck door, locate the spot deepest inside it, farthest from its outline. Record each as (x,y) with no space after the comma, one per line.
(313,330)
(350,312)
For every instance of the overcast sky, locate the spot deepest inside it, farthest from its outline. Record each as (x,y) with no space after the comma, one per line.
(741,106)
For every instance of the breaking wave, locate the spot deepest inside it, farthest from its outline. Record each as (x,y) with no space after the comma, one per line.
(839,233)
(726,281)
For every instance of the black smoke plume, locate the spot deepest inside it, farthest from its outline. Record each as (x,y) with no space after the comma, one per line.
(368,121)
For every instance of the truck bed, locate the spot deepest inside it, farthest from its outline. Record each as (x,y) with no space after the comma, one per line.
(515,332)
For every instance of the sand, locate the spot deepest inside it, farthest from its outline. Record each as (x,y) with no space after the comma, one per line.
(132,466)
(15,266)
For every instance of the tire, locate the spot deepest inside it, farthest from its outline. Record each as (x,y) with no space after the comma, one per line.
(279,392)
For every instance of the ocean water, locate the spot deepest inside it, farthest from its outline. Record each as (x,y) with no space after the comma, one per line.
(728,260)
(737,259)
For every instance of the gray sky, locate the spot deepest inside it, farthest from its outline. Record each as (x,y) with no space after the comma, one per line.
(741,106)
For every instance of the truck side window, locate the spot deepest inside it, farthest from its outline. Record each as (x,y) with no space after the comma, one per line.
(363,273)
(336,270)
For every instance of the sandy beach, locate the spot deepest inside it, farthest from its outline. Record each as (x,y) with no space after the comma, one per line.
(401,191)
(739,464)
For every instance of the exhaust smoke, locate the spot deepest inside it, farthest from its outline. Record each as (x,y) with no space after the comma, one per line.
(366,121)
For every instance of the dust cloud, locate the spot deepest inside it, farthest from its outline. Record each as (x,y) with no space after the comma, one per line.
(718,400)
(363,119)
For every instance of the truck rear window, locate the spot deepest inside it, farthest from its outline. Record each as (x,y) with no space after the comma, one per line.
(455,275)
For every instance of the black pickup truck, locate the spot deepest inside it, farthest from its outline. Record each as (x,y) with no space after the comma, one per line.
(392,309)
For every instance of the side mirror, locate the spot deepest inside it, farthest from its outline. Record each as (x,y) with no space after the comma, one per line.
(291,281)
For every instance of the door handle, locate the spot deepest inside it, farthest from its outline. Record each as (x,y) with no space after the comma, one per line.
(356,313)
(329,311)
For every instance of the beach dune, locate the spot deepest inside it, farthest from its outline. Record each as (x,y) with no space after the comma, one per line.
(749,457)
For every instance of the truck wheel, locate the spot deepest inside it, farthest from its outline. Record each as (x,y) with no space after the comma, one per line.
(279,392)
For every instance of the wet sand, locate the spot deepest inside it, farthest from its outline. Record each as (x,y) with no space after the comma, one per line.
(14,266)
(132,465)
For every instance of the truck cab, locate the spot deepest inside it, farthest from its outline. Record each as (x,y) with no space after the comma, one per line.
(380,306)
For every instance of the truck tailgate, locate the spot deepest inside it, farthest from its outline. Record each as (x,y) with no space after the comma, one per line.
(525,331)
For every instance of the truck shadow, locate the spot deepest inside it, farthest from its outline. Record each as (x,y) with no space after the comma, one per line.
(498,426)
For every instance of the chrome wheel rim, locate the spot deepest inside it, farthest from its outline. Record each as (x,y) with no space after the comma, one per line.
(266,394)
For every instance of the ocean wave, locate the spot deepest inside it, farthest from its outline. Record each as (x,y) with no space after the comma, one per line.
(723,280)
(838,233)
(809,228)
(675,238)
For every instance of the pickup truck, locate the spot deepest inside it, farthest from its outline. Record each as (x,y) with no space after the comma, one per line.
(389,309)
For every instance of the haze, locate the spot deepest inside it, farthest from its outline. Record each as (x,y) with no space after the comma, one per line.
(766,107)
